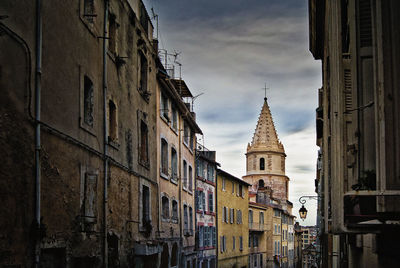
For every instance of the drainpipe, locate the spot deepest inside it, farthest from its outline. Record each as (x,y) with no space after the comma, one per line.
(38,75)
(180,198)
(105,133)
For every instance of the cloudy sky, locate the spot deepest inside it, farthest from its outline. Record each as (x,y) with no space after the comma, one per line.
(229,49)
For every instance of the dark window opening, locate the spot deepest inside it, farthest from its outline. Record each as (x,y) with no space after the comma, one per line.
(164,157)
(88,10)
(143,73)
(261,183)
(112,120)
(174,165)
(143,18)
(143,153)
(174,210)
(262,164)
(174,255)
(145,205)
(112,33)
(165,207)
(88,100)
(113,255)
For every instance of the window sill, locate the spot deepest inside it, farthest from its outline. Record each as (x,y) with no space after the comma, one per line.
(174,181)
(175,130)
(86,127)
(145,164)
(166,120)
(90,26)
(113,143)
(145,94)
(164,176)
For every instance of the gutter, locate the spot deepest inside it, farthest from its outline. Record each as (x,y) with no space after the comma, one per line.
(105,133)
(38,84)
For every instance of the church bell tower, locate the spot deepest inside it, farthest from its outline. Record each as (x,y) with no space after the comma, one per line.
(265,158)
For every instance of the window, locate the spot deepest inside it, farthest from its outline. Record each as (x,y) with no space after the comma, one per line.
(164,106)
(233,187)
(143,147)
(207,231)
(214,236)
(190,179)
(275,248)
(186,133)
(185,219)
(203,201)
(232,215)
(145,205)
(250,239)
(241,243)
(279,248)
(185,178)
(88,100)
(223,243)
(241,193)
(90,199)
(112,121)
(262,164)
(165,207)
(143,73)
(261,218)
(143,18)
(223,184)
(174,117)
(275,229)
(164,157)
(199,168)
(225,217)
(255,241)
(191,145)
(210,173)
(201,236)
(233,243)
(210,202)
(250,217)
(112,34)
(191,220)
(88,10)
(174,210)
(239,216)
(255,260)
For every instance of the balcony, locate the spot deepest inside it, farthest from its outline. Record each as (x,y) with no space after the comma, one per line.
(256,227)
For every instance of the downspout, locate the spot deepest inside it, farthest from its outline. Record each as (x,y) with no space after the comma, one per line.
(105,133)
(38,75)
(180,198)
(216,217)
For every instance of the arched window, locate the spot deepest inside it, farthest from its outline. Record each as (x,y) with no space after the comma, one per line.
(262,163)
(165,207)
(164,157)
(261,183)
(174,255)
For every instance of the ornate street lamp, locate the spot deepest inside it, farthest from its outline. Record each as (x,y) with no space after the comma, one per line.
(303,210)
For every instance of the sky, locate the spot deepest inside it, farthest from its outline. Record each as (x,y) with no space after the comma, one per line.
(228,50)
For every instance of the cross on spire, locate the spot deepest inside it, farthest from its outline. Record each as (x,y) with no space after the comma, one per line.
(265,90)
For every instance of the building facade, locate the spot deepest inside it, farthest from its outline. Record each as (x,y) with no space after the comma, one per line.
(358,130)
(206,207)
(176,129)
(232,220)
(257,234)
(82,186)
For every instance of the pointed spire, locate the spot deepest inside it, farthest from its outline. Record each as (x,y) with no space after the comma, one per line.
(265,136)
